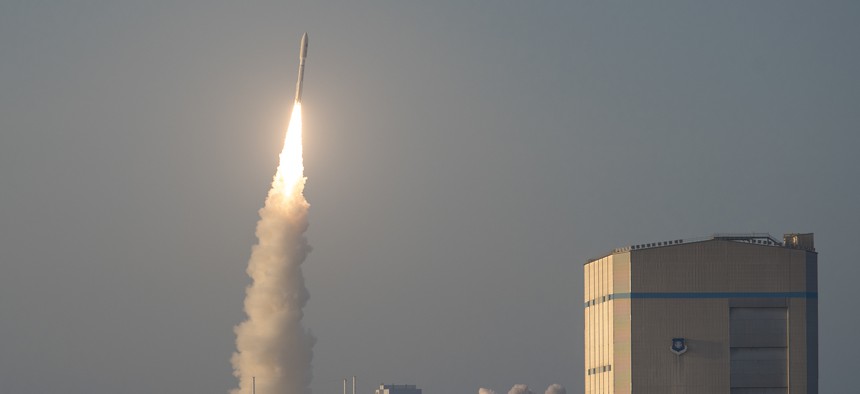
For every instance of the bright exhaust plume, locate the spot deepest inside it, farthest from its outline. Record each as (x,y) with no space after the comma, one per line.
(273,349)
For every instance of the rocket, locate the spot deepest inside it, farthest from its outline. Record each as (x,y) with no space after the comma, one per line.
(303,53)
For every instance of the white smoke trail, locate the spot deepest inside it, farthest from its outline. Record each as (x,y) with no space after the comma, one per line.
(555,389)
(273,349)
(485,391)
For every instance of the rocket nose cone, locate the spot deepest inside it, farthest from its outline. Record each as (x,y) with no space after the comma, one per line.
(304,46)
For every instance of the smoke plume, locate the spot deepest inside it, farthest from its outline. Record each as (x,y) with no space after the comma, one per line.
(524,389)
(555,389)
(520,389)
(273,349)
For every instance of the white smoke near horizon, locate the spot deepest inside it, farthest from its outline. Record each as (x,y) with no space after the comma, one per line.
(520,389)
(273,349)
(524,389)
(555,389)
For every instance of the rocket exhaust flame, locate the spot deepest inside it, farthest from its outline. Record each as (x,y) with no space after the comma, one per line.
(273,349)
(272,344)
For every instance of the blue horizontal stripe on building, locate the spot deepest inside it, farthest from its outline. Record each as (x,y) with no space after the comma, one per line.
(796,294)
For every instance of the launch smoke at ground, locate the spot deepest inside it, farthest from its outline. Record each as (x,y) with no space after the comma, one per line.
(555,389)
(524,389)
(520,389)
(272,346)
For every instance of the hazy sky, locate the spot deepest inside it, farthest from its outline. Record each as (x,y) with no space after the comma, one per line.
(464,159)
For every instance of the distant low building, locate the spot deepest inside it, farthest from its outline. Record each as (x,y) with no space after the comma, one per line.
(398,389)
(728,314)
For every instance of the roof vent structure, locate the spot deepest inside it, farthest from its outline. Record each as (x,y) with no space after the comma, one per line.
(800,241)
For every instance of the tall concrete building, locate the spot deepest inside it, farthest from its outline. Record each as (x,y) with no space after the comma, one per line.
(731,314)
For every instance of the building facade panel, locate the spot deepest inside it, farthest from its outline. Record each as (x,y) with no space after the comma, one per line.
(797,347)
(811,327)
(702,368)
(712,266)
(621,324)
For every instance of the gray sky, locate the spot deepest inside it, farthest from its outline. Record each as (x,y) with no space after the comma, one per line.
(464,161)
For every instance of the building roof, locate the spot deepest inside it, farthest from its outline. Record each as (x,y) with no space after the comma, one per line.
(793,241)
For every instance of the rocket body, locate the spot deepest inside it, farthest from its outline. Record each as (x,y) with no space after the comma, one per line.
(303,53)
